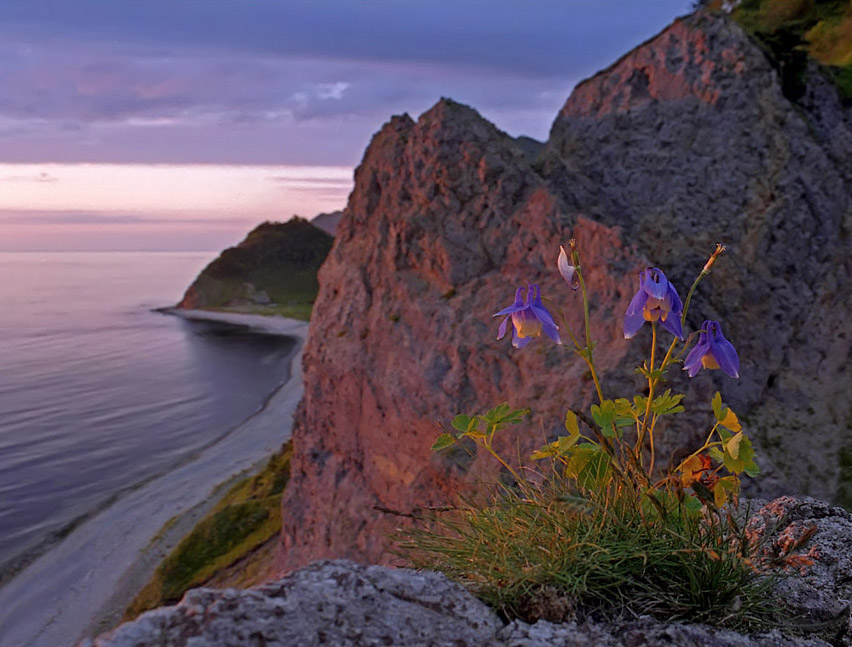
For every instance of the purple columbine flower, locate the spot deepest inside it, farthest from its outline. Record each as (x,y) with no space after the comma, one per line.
(529,318)
(712,351)
(655,300)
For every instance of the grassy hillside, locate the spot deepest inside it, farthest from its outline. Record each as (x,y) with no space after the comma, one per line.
(246,518)
(793,30)
(274,271)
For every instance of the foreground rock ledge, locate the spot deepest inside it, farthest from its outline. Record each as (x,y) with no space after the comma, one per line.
(345,604)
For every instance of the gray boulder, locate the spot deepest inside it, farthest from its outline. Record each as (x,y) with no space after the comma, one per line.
(346,604)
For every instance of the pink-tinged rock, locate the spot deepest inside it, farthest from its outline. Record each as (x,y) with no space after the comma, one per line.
(450,215)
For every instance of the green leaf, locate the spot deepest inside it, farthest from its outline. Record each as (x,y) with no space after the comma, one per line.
(565,443)
(571,425)
(589,466)
(443,441)
(692,504)
(502,415)
(717,454)
(604,414)
(624,413)
(461,422)
(724,486)
(545,451)
(717,406)
(667,403)
(743,460)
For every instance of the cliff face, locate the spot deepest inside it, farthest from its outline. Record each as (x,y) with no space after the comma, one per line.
(686,141)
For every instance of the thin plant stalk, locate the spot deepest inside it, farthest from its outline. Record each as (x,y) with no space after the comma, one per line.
(575,259)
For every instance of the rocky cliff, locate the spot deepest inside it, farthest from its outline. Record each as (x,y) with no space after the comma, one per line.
(685,141)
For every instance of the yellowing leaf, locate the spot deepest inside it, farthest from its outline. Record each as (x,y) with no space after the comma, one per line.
(720,496)
(692,468)
(717,406)
(547,451)
(733,445)
(731,422)
(571,425)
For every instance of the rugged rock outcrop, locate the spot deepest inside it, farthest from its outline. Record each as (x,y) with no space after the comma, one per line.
(341,603)
(685,141)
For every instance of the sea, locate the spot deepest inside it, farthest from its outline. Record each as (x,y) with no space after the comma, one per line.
(99,393)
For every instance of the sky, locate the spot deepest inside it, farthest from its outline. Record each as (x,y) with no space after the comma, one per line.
(181,124)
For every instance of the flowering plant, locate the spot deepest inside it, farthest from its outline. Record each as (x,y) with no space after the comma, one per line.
(617,445)
(605,523)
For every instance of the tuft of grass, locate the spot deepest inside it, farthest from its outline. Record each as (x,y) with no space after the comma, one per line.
(541,552)
(246,517)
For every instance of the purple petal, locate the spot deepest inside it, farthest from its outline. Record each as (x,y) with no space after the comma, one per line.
(655,283)
(501,331)
(673,325)
(634,318)
(548,325)
(517,305)
(724,352)
(551,331)
(568,271)
(520,342)
(692,363)
(677,304)
(540,311)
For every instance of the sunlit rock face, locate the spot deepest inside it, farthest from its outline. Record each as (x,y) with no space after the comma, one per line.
(686,141)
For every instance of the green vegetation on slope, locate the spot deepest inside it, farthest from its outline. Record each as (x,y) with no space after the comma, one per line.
(792,30)
(273,271)
(244,519)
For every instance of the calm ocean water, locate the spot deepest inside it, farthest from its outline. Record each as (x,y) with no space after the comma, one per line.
(98,393)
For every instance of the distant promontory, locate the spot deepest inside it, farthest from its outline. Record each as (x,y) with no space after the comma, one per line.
(272,271)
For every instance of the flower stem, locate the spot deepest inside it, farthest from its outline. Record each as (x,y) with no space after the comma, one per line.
(517,477)
(589,357)
(652,382)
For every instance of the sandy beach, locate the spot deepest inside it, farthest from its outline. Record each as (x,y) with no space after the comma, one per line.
(81,585)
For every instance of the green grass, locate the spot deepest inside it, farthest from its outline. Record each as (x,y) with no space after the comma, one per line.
(248,515)
(542,553)
(300,311)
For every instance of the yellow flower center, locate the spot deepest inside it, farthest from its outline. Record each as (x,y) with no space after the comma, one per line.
(708,361)
(526,324)
(657,309)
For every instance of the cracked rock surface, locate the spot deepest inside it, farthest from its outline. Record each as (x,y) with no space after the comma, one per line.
(349,605)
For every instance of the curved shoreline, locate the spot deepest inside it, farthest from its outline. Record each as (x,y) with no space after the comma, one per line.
(75,587)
